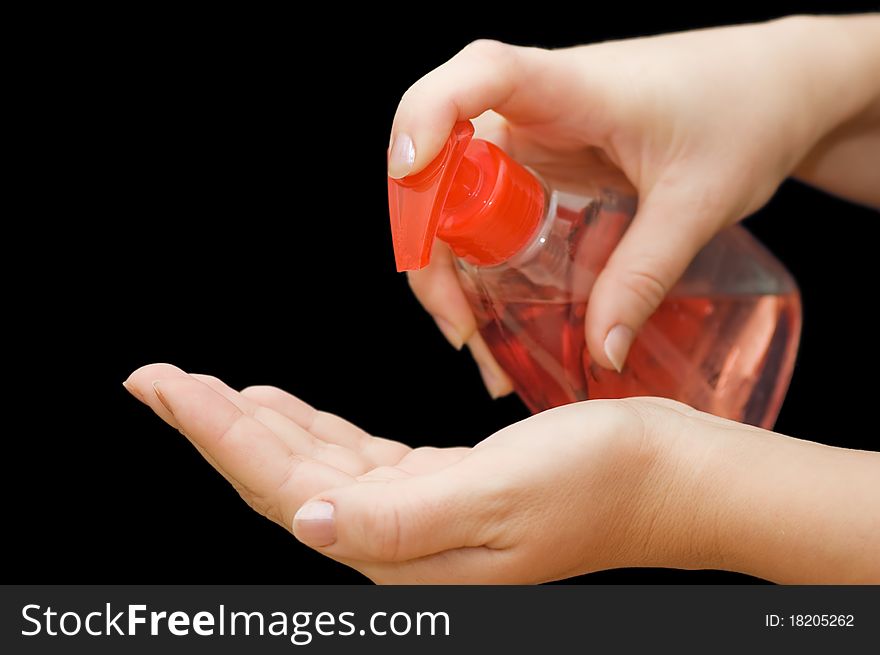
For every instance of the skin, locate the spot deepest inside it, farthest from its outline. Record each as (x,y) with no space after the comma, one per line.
(635,482)
(705,125)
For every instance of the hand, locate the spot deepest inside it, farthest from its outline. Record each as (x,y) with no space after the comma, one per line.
(559,494)
(704,124)
(588,486)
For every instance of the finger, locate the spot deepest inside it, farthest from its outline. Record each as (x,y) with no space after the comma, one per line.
(247,450)
(670,228)
(397,520)
(437,286)
(496,380)
(420,461)
(298,439)
(484,75)
(294,408)
(140,385)
(303,443)
(438,289)
(328,427)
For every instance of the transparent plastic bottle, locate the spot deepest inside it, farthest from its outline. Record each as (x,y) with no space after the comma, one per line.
(724,340)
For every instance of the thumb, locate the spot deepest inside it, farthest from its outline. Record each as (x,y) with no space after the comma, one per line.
(484,75)
(669,229)
(396,520)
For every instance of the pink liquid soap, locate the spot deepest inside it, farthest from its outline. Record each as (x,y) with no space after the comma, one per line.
(728,355)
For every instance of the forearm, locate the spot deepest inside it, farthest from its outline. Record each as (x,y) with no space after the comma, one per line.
(841,83)
(847,162)
(786,510)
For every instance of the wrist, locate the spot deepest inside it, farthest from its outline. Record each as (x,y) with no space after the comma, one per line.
(783,509)
(673,508)
(724,478)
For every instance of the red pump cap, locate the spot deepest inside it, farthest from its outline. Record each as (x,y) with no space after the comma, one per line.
(473,196)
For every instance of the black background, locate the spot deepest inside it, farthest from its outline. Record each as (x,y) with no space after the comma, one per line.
(167,224)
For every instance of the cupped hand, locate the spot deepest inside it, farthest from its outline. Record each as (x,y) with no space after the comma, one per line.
(567,491)
(705,125)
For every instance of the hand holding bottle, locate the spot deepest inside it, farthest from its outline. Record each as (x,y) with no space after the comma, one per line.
(637,482)
(704,124)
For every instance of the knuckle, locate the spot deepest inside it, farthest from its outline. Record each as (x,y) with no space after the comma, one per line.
(435,297)
(646,285)
(416,282)
(292,476)
(437,293)
(412,92)
(493,51)
(233,428)
(263,507)
(429,294)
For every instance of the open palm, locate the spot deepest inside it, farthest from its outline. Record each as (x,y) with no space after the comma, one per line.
(398,514)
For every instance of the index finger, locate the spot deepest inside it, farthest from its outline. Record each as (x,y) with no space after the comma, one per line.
(277,480)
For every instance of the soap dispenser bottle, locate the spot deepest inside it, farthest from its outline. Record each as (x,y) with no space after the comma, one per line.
(724,340)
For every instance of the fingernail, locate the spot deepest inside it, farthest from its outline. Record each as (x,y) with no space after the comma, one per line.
(617,345)
(402,156)
(162,398)
(313,524)
(134,392)
(494,383)
(448,329)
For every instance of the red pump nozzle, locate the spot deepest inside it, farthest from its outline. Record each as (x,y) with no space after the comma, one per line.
(473,196)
